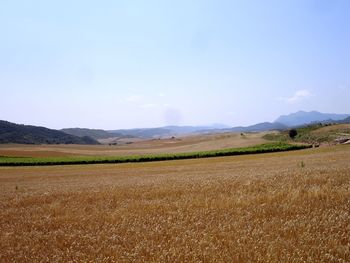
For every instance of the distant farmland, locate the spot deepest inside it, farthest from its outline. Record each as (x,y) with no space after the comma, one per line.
(35,161)
(196,143)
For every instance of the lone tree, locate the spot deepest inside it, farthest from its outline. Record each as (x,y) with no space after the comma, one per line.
(293,133)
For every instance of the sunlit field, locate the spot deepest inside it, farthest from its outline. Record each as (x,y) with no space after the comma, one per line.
(262,148)
(275,207)
(183,144)
(175,131)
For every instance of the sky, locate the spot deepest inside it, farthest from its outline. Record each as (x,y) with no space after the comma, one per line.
(126,64)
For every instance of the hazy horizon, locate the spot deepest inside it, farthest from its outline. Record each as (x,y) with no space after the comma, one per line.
(132,64)
(209,125)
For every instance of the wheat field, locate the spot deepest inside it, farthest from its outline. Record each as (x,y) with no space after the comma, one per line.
(277,207)
(193,143)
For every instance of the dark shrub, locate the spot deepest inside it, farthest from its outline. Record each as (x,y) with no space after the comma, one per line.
(293,133)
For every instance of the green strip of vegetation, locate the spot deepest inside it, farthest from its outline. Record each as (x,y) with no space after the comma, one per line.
(34,161)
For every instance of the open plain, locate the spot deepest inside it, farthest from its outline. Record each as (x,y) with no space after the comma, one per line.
(183,144)
(276,207)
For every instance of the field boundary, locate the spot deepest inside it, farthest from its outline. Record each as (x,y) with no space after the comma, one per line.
(40,161)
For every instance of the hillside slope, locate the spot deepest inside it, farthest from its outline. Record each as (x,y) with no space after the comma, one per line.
(264,126)
(27,134)
(303,117)
(315,134)
(93,133)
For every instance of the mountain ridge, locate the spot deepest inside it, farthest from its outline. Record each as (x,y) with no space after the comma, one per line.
(304,117)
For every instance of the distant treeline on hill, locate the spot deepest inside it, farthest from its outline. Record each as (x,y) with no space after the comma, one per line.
(27,134)
(92,133)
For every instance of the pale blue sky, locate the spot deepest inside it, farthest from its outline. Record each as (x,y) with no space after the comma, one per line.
(124,64)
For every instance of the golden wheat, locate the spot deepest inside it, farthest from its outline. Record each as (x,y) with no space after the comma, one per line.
(259,208)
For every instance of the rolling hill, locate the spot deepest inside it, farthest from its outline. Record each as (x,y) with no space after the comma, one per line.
(27,134)
(264,126)
(346,120)
(167,131)
(93,133)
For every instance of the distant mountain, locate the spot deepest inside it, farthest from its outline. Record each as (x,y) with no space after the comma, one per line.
(299,118)
(93,133)
(142,132)
(264,126)
(166,131)
(195,129)
(27,134)
(302,117)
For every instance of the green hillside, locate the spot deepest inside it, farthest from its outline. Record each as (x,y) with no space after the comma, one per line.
(27,134)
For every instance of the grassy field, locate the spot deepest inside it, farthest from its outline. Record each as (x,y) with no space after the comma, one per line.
(195,143)
(317,133)
(34,161)
(274,207)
